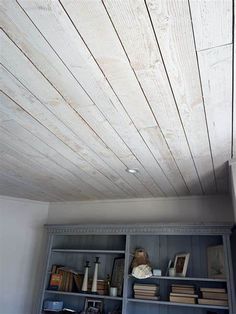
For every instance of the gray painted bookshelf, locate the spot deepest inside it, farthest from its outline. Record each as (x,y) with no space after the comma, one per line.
(72,245)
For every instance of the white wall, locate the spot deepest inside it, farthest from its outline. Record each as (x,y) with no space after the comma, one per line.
(183,209)
(21,240)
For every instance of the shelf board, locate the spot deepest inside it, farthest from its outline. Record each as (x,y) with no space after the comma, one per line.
(88,251)
(87,295)
(183,278)
(180,304)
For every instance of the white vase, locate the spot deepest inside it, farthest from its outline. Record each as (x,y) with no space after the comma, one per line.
(95,276)
(85,281)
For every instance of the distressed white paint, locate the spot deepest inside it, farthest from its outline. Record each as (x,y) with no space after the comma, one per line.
(216,65)
(172,24)
(212,21)
(101,86)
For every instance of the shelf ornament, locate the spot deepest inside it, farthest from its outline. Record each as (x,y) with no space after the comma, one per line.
(140,265)
(95,276)
(85,281)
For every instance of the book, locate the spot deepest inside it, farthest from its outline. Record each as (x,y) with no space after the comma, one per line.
(220,290)
(78,279)
(213,302)
(67,269)
(187,300)
(55,281)
(145,286)
(156,298)
(184,295)
(145,292)
(184,291)
(215,295)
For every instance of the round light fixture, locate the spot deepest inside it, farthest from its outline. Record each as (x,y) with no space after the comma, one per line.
(132,171)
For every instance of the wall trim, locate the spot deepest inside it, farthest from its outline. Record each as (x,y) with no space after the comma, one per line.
(148,199)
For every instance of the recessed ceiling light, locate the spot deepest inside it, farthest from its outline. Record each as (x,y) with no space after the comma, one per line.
(132,171)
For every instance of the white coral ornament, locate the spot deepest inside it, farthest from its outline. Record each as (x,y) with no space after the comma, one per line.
(142,271)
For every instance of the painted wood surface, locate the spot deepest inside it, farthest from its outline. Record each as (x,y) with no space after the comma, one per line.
(91,88)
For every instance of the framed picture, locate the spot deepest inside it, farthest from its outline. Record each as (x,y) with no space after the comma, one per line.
(216,262)
(117,275)
(181,264)
(93,306)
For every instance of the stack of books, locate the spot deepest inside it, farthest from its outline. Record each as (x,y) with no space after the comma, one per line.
(102,286)
(146,291)
(213,296)
(183,294)
(65,279)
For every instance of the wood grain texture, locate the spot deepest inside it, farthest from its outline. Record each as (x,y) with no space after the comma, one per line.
(91,88)
(81,66)
(215,65)
(60,148)
(18,26)
(173,29)
(115,66)
(146,61)
(53,104)
(212,20)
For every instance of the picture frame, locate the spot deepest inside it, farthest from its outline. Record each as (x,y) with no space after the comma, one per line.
(181,264)
(93,306)
(216,262)
(117,275)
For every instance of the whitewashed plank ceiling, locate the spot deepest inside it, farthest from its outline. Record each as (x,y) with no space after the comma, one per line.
(90,88)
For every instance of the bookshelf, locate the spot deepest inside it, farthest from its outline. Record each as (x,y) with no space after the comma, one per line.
(72,245)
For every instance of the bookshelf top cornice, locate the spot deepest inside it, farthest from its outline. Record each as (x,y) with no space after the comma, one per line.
(157,228)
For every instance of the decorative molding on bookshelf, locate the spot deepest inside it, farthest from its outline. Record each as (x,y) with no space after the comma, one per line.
(180,304)
(88,251)
(87,295)
(167,229)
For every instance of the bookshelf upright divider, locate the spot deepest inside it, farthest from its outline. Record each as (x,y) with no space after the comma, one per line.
(72,245)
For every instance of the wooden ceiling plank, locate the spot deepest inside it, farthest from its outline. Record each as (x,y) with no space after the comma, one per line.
(144,55)
(18,188)
(52,21)
(94,116)
(120,70)
(173,30)
(216,75)
(212,28)
(57,177)
(212,22)
(87,22)
(82,72)
(39,86)
(15,165)
(50,124)
(60,167)
(17,25)
(62,149)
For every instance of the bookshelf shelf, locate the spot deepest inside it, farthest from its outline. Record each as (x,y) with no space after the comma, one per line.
(85,295)
(88,251)
(185,278)
(70,246)
(179,304)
